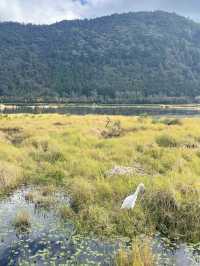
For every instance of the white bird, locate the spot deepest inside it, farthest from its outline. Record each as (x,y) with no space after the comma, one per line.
(129,202)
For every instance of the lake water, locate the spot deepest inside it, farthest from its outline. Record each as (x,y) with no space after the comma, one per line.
(50,241)
(128,110)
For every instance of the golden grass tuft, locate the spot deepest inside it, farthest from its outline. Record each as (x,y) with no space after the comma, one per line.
(10,175)
(66,213)
(48,190)
(29,196)
(43,202)
(140,254)
(43,197)
(22,221)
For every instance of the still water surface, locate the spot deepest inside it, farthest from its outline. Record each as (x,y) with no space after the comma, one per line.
(49,240)
(128,110)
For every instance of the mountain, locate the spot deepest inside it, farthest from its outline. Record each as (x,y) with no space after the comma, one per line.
(131,57)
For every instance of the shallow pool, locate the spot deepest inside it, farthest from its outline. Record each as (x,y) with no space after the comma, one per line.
(49,241)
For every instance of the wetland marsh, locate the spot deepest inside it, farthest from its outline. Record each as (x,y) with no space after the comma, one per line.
(70,174)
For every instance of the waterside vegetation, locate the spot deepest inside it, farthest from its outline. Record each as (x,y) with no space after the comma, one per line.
(78,153)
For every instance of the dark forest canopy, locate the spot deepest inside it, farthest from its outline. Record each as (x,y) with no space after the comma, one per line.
(127,58)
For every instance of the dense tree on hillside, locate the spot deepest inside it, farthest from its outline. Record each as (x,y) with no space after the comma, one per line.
(129,57)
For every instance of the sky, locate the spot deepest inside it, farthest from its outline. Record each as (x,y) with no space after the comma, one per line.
(51,11)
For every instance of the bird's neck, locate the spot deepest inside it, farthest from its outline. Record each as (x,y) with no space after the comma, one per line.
(137,191)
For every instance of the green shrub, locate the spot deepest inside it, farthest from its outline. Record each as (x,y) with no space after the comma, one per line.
(172,122)
(167,141)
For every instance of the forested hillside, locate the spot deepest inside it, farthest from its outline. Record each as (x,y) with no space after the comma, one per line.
(120,58)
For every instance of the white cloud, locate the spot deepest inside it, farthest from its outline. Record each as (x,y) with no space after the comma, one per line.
(50,11)
(39,11)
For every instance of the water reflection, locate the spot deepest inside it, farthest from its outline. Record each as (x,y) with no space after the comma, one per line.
(154,110)
(50,241)
(177,254)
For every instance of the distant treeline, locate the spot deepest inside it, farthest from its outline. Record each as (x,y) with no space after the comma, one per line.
(100,100)
(144,57)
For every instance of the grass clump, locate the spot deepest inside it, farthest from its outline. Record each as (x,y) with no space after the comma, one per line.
(49,154)
(66,212)
(99,220)
(48,190)
(140,254)
(112,129)
(48,174)
(43,197)
(43,202)
(22,221)
(171,211)
(172,121)
(82,193)
(167,141)
(10,176)
(29,196)
(168,121)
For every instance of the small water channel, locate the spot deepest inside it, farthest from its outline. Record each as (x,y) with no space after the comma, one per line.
(49,241)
